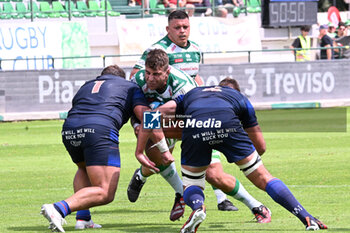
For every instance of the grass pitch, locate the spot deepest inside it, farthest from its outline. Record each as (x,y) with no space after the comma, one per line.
(35,169)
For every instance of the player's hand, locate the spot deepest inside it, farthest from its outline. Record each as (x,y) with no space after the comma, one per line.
(137,130)
(146,162)
(167,158)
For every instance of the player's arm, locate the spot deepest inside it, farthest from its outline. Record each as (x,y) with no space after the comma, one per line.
(168,113)
(255,134)
(135,123)
(251,126)
(142,139)
(167,109)
(138,98)
(156,135)
(173,132)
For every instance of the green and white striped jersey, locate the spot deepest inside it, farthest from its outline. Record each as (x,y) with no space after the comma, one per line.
(179,83)
(186,59)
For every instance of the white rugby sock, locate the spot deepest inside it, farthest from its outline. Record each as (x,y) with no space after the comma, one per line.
(172,177)
(220,195)
(243,196)
(142,178)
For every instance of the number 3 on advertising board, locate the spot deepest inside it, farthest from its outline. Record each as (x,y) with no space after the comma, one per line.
(251,81)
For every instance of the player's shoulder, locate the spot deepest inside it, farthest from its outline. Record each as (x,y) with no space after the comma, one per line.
(175,71)
(145,53)
(228,92)
(112,79)
(163,43)
(119,82)
(179,74)
(194,45)
(139,78)
(180,82)
(232,92)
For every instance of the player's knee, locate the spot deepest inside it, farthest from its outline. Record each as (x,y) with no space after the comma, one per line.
(212,177)
(110,198)
(105,197)
(193,178)
(265,178)
(252,165)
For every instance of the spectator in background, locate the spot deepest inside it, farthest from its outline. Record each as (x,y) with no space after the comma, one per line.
(139,2)
(226,6)
(304,43)
(172,4)
(345,41)
(331,30)
(340,33)
(203,6)
(341,30)
(347,24)
(325,41)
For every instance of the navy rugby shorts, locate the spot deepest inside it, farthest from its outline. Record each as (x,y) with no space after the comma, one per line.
(231,140)
(94,144)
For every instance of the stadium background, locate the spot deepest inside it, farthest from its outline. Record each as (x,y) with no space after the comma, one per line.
(38,84)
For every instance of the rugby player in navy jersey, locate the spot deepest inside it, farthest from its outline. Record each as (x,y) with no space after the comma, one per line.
(91,136)
(232,129)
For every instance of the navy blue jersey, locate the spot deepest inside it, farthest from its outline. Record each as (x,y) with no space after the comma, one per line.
(107,100)
(229,111)
(202,102)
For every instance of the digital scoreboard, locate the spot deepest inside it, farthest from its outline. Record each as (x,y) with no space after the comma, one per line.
(284,13)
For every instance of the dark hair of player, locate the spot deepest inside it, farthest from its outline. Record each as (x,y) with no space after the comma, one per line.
(113,70)
(177,15)
(156,59)
(230,82)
